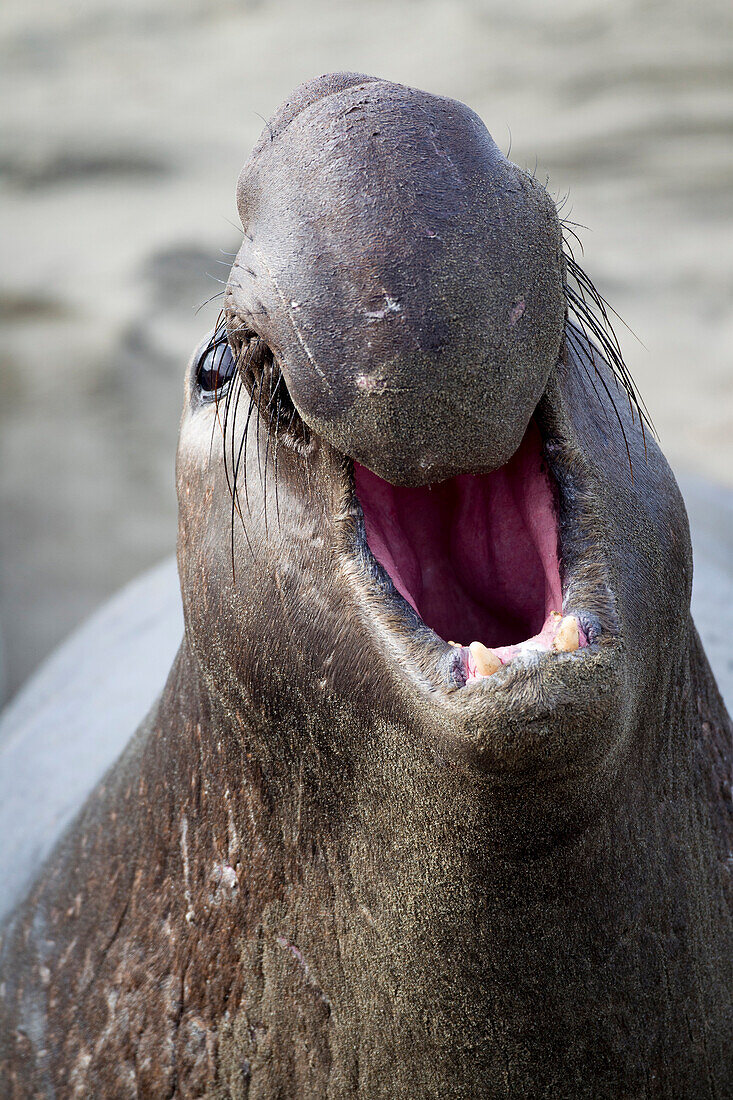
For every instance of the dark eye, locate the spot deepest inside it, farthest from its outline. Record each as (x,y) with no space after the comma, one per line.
(215,367)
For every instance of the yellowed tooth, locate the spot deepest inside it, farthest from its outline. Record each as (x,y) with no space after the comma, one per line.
(567,638)
(487,663)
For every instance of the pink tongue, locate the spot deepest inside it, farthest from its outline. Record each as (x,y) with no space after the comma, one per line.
(475,556)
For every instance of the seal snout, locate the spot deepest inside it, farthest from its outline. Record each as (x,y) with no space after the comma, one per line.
(407,277)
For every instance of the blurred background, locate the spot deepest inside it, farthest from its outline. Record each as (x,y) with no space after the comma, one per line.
(123,128)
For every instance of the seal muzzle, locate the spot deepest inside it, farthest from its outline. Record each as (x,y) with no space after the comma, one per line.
(407,277)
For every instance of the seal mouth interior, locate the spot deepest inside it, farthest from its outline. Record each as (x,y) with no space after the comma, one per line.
(477,556)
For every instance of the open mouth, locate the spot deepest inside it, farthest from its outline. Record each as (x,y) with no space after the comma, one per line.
(479,572)
(477,558)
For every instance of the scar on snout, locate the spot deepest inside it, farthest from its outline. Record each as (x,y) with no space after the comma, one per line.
(371,383)
(517,310)
(391,306)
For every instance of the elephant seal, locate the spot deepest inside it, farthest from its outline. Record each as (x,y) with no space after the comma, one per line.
(436,799)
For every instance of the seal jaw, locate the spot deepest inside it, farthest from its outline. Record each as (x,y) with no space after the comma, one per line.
(569,653)
(488,597)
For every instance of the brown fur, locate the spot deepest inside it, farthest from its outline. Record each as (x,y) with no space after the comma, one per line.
(323,868)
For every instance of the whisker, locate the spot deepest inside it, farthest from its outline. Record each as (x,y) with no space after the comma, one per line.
(277,439)
(232,434)
(244,440)
(259,425)
(589,376)
(236,507)
(267,454)
(592,312)
(272,412)
(243,365)
(213,344)
(227,407)
(219,294)
(576,345)
(566,227)
(235,226)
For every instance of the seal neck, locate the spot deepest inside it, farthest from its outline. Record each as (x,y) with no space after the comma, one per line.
(380,897)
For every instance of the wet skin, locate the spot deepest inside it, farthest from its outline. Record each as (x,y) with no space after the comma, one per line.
(335,861)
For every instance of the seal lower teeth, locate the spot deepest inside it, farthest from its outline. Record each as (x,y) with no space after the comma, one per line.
(567,639)
(487,662)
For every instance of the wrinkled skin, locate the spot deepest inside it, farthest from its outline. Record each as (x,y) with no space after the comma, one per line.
(325,868)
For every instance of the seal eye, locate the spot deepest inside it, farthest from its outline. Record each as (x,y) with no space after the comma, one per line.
(215,367)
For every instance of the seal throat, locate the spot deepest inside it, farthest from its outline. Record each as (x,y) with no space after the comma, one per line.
(477,556)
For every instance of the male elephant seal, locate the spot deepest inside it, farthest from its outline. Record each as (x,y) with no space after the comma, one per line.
(436,800)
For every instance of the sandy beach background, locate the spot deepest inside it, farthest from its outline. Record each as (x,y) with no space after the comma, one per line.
(122,131)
